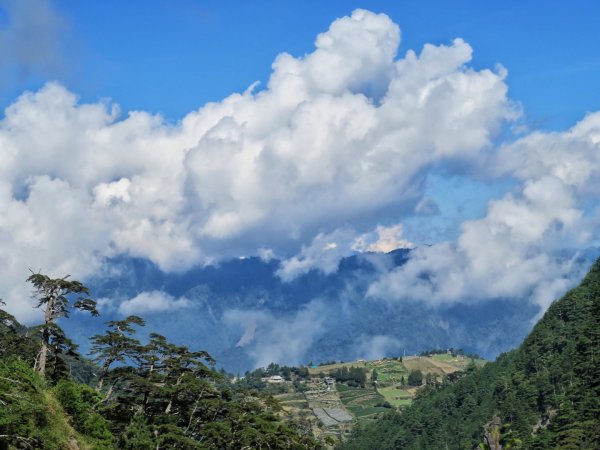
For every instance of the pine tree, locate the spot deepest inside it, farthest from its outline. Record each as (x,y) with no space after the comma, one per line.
(116,345)
(53,294)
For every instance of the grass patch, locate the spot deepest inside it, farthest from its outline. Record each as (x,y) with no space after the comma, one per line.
(342,388)
(396,397)
(289,397)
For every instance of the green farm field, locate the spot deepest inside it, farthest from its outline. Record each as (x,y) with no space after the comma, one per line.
(396,397)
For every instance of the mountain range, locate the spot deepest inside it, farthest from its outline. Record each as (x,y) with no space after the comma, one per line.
(246,316)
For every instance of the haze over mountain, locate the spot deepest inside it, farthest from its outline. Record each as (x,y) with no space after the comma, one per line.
(247,317)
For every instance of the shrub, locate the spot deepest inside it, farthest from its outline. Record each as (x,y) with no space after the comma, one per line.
(415,378)
(78,400)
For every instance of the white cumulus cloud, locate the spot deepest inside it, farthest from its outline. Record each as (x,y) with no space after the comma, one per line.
(338,138)
(326,250)
(383,240)
(526,245)
(152,302)
(324,254)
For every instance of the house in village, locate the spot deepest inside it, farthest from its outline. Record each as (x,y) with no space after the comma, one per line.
(329,382)
(273,379)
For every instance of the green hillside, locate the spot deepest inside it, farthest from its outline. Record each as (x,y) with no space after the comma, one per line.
(545,394)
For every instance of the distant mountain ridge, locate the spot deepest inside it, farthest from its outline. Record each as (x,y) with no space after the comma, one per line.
(243,314)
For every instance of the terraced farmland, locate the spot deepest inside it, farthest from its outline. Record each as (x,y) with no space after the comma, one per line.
(361,402)
(388,370)
(397,397)
(428,365)
(331,410)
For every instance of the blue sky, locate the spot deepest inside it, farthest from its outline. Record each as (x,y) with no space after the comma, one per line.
(173,56)
(477,135)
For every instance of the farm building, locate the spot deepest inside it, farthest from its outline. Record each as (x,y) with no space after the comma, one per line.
(275,379)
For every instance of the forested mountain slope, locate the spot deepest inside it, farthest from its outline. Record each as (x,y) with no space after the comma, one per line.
(545,394)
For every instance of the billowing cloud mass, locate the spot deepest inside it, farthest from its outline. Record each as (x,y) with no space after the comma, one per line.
(526,245)
(383,240)
(327,159)
(323,253)
(326,250)
(340,138)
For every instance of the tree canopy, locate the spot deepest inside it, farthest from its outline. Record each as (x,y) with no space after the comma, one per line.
(53,294)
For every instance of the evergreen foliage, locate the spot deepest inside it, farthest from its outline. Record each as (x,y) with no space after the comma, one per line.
(353,376)
(15,339)
(415,378)
(117,345)
(545,394)
(53,294)
(155,395)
